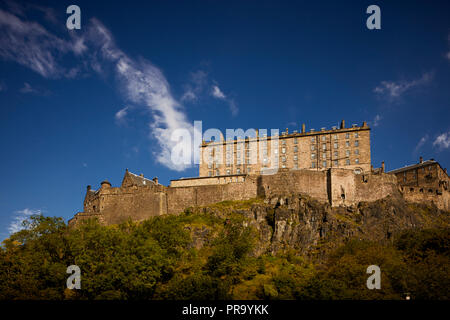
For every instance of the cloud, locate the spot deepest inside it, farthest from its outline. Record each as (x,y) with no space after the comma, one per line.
(144,84)
(442,141)
(195,87)
(31,45)
(27,88)
(218,94)
(393,91)
(120,115)
(421,143)
(140,82)
(376,120)
(19,216)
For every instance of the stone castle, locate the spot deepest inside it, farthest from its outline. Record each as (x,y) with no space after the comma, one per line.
(332,166)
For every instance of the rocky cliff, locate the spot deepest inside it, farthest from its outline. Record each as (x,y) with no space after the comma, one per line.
(299,222)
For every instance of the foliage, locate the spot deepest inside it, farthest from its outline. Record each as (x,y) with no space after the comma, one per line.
(156,259)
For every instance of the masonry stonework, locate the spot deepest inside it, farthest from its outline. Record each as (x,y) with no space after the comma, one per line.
(139,198)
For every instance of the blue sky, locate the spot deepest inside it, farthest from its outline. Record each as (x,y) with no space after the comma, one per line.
(80,106)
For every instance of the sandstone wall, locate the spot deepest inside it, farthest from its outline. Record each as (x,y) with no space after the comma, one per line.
(312,183)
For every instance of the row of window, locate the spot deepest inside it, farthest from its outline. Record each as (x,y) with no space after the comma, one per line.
(295,141)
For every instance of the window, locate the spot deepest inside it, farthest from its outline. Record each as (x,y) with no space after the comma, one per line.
(356,160)
(324,147)
(347,153)
(249,169)
(336,154)
(335,137)
(283,159)
(295,149)
(324,155)
(313,164)
(356,135)
(347,144)
(295,158)
(209,165)
(356,151)
(336,163)
(283,165)
(324,138)
(283,142)
(335,145)
(313,139)
(295,140)
(228,171)
(248,154)
(313,155)
(356,143)
(324,164)
(312,147)
(238,170)
(210,174)
(283,150)
(347,135)
(217,172)
(347,162)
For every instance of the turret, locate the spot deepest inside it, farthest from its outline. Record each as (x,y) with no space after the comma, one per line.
(105,184)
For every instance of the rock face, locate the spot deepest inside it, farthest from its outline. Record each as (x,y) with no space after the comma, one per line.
(299,222)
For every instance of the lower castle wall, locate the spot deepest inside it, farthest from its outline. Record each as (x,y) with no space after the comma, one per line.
(441,199)
(335,186)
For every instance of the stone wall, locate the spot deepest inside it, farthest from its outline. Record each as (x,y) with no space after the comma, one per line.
(339,187)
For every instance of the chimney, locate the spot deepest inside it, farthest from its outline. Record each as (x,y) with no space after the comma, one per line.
(141,175)
(303,128)
(155,180)
(287,130)
(382,166)
(420,160)
(88,188)
(364,124)
(342,124)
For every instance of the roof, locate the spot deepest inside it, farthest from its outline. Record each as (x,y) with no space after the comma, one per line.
(139,180)
(415,166)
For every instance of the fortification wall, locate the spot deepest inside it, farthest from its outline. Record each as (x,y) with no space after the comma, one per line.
(179,198)
(139,203)
(313,183)
(422,194)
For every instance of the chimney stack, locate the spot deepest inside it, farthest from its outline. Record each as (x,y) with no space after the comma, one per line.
(141,175)
(420,160)
(364,124)
(342,124)
(155,180)
(88,188)
(382,166)
(303,128)
(287,130)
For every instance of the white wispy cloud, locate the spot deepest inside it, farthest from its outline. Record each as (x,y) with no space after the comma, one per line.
(217,93)
(27,88)
(31,45)
(442,141)
(376,120)
(120,115)
(393,91)
(144,84)
(421,143)
(19,217)
(195,86)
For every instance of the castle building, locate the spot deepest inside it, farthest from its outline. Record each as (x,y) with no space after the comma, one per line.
(332,166)
(341,147)
(424,181)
